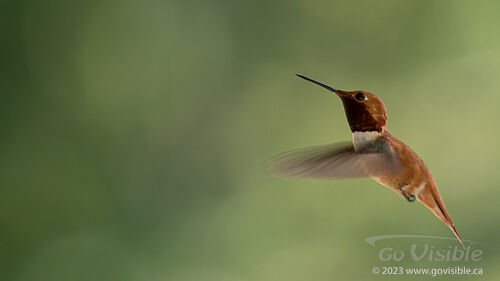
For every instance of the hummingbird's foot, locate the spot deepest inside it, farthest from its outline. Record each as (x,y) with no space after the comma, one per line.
(409,197)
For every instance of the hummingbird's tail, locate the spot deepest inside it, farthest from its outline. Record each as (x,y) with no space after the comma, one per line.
(435,203)
(452,227)
(445,217)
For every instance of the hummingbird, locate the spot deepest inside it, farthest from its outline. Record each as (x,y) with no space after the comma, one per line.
(373,153)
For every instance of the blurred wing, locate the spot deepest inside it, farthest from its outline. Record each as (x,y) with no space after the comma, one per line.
(336,161)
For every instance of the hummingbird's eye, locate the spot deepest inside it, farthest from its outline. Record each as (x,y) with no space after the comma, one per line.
(360,96)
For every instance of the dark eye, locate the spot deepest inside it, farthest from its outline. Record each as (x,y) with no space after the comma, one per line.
(360,96)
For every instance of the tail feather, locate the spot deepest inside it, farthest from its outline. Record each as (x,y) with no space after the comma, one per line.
(432,199)
(452,227)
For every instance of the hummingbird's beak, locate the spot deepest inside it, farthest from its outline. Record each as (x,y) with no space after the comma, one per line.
(320,84)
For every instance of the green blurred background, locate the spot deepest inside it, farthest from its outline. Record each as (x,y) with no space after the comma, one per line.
(133,134)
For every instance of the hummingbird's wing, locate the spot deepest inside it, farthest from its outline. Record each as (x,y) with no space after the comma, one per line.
(336,161)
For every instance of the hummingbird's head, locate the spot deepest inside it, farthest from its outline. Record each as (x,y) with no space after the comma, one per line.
(364,111)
